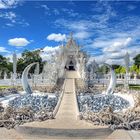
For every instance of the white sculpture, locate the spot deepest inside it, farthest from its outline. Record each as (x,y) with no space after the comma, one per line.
(37,69)
(25,84)
(112,83)
(126,61)
(14,66)
(5,75)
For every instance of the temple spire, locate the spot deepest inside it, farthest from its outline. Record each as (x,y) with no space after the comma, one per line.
(71,35)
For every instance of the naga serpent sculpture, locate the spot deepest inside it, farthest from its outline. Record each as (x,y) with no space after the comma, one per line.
(112,83)
(25,83)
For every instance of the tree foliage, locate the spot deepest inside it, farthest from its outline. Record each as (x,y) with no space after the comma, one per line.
(134,69)
(27,57)
(137,60)
(5,65)
(120,69)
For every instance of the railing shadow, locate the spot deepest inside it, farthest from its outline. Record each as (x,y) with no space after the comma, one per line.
(55,132)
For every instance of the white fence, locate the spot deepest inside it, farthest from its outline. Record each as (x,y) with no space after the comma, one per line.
(119,81)
(39,82)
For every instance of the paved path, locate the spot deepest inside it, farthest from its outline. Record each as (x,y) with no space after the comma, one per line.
(72,74)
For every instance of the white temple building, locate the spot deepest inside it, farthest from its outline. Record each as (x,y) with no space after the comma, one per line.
(72,59)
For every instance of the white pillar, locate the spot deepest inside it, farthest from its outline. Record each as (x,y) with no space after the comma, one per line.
(14,65)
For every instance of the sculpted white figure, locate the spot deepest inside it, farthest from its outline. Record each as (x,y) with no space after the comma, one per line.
(25,84)
(112,83)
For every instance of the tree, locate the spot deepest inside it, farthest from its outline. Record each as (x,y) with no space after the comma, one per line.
(115,66)
(20,65)
(120,69)
(5,65)
(103,69)
(137,60)
(134,68)
(27,58)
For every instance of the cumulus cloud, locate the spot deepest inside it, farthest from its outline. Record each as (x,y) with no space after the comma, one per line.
(3,50)
(57,37)
(18,42)
(48,52)
(116,46)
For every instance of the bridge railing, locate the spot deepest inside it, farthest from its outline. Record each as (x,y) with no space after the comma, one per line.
(59,101)
(77,106)
(17,82)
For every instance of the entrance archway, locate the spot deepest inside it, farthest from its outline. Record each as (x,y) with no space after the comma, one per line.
(71,66)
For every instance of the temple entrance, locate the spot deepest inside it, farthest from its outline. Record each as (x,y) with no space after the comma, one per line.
(71,66)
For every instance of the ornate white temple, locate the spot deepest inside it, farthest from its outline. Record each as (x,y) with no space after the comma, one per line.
(68,58)
(72,59)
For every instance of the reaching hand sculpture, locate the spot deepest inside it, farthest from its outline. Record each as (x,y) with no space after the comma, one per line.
(25,84)
(112,83)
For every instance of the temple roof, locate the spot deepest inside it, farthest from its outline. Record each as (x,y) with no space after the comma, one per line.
(72,43)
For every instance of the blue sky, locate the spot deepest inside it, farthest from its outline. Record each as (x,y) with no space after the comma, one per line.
(105,29)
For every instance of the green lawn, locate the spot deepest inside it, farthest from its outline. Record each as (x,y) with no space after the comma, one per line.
(136,87)
(4,87)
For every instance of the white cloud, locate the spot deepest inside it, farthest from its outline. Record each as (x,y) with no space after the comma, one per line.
(82,35)
(9,15)
(3,50)
(48,52)
(56,11)
(18,42)
(70,12)
(99,59)
(80,25)
(57,37)
(11,19)
(116,46)
(10,56)
(117,55)
(5,4)
(45,7)
(131,7)
(9,24)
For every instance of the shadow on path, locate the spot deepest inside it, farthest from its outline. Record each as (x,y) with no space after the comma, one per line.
(71,133)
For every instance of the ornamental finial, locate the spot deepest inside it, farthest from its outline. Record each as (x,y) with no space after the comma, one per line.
(71,35)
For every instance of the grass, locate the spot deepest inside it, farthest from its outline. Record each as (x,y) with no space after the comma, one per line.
(136,87)
(4,87)
(131,86)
